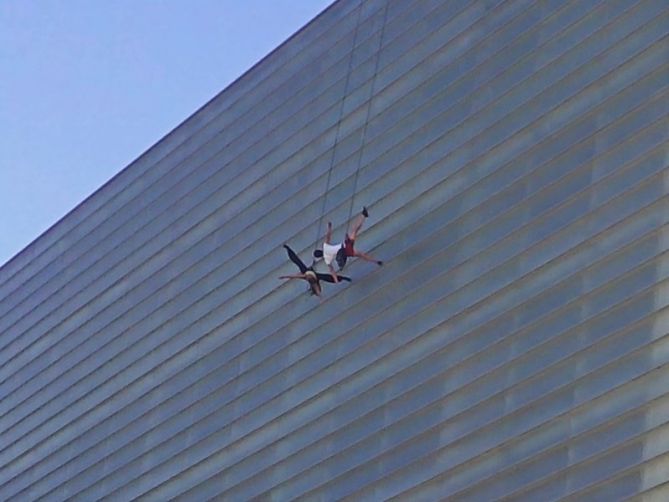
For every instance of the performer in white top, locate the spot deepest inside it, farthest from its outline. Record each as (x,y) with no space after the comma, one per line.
(344,250)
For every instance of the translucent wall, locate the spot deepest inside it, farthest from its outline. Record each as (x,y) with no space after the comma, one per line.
(514,159)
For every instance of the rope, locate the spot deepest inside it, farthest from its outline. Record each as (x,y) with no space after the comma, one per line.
(336,138)
(369,108)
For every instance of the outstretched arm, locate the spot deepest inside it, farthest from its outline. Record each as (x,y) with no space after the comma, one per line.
(293,276)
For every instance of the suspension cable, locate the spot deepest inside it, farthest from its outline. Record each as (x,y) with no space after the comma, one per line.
(337,129)
(369,108)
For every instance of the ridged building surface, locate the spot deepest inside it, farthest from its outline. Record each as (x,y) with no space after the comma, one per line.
(514,159)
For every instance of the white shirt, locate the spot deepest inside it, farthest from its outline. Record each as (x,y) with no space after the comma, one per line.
(330,252)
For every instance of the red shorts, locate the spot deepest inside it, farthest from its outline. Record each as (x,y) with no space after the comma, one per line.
(348,246)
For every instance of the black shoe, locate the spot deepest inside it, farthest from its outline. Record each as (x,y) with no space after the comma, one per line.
(364,212)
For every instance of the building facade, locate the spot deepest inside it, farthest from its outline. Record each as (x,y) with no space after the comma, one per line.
(513,155)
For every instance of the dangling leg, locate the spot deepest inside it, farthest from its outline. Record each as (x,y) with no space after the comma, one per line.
(356,225)
(349,242)
(366,257)
(328,278)
(295,259)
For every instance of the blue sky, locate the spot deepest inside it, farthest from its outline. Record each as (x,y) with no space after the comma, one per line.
(86,86)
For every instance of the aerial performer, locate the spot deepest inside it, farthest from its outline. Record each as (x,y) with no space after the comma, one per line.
(308,274)
(341,252)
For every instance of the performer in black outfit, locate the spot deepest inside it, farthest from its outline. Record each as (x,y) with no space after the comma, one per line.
(309,274)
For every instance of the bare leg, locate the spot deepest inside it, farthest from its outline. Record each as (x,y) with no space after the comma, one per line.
(366,257)
(355,227)
(293,276)
(295,259)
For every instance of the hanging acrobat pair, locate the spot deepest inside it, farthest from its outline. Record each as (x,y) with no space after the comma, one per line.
(330,252)
(312,277)
(341,252)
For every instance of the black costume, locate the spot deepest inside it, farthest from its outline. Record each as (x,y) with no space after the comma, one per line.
(305,270)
